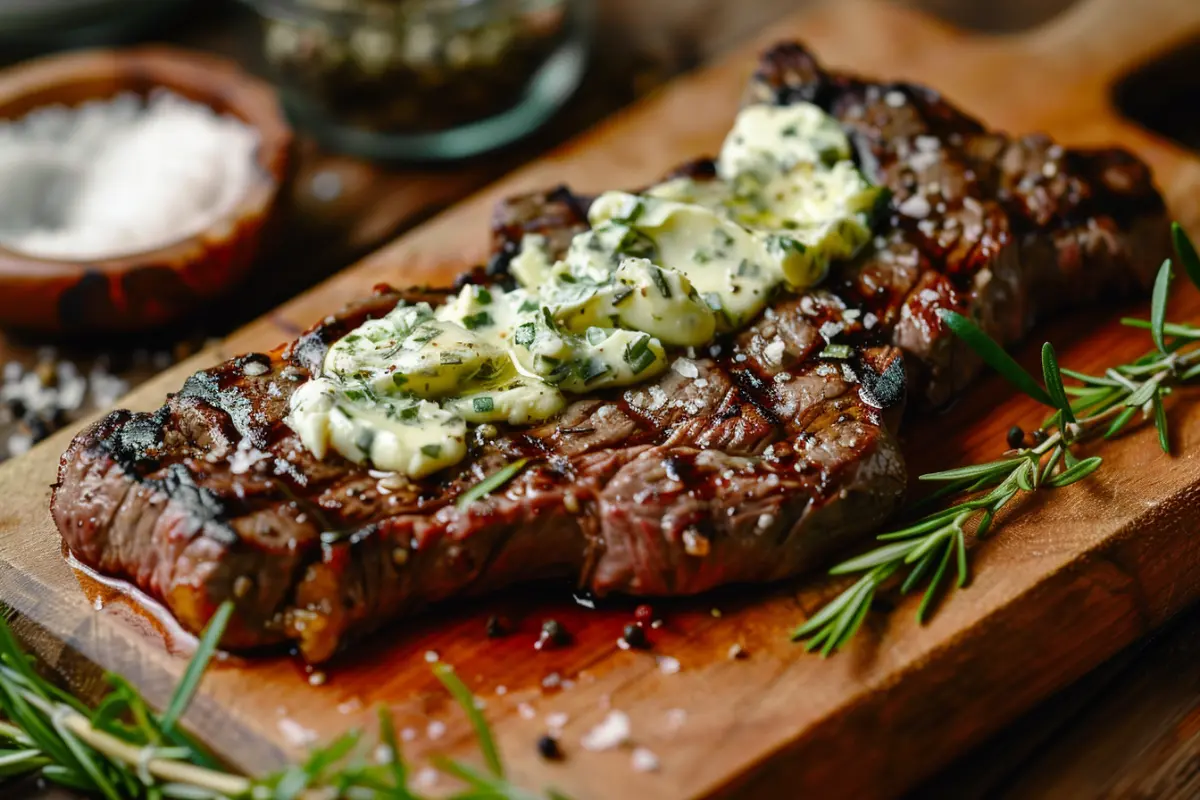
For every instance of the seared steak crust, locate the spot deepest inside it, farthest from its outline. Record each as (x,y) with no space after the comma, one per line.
(747,462)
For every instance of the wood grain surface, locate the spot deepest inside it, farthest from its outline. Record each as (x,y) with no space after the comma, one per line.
(1066,584)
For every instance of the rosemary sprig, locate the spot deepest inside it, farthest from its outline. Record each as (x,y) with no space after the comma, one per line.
(123,751)
(920,553)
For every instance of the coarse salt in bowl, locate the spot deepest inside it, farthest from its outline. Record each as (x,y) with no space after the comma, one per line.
(134,184)
(122,176)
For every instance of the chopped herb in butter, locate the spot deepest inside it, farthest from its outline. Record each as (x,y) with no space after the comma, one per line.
(669,267)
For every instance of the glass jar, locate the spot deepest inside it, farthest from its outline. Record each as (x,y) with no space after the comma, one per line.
(423,80)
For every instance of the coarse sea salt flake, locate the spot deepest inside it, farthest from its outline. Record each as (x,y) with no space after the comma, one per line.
(295,733)
(773,352)
(915,206)
(612,732)
(19,443)
(245,457)
(830,329)
(644,760)
(658,398)
(686,368)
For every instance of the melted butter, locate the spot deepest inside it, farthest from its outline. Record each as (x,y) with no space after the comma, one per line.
(768,139)
(531,266)
(416,437)
(638,295)
(667,268)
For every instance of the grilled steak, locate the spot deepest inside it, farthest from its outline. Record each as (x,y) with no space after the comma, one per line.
(1000,229)
(748,462)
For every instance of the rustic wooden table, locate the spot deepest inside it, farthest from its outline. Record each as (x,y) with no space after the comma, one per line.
(1132,728)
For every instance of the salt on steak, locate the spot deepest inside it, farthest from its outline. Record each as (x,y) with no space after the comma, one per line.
(750,462)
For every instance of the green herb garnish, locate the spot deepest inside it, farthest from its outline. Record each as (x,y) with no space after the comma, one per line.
(713,301)
(491,483)
(424,334)
(660,281)
(483,405)
(746,268)
(474,321)
(524,334)
(635,213)
(589,369)
(839,351)
(638,355)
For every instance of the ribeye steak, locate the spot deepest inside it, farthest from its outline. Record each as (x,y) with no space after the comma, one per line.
(750,462)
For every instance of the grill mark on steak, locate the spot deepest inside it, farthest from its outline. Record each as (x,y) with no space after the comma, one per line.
(779,457)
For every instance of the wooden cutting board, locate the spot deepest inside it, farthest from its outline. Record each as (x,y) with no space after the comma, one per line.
(1063,585)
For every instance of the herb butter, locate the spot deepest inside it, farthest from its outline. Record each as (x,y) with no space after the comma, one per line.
(669,267)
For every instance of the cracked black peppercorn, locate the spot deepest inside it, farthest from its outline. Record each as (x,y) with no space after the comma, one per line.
(548,748)
(16,407)
(1016,437)
(496,627)
(38,429)
(635,636)
(554,633)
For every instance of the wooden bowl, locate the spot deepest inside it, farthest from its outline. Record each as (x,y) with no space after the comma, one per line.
(153,287)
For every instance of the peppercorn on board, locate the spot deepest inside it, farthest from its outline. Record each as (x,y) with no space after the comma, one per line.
(723,699)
